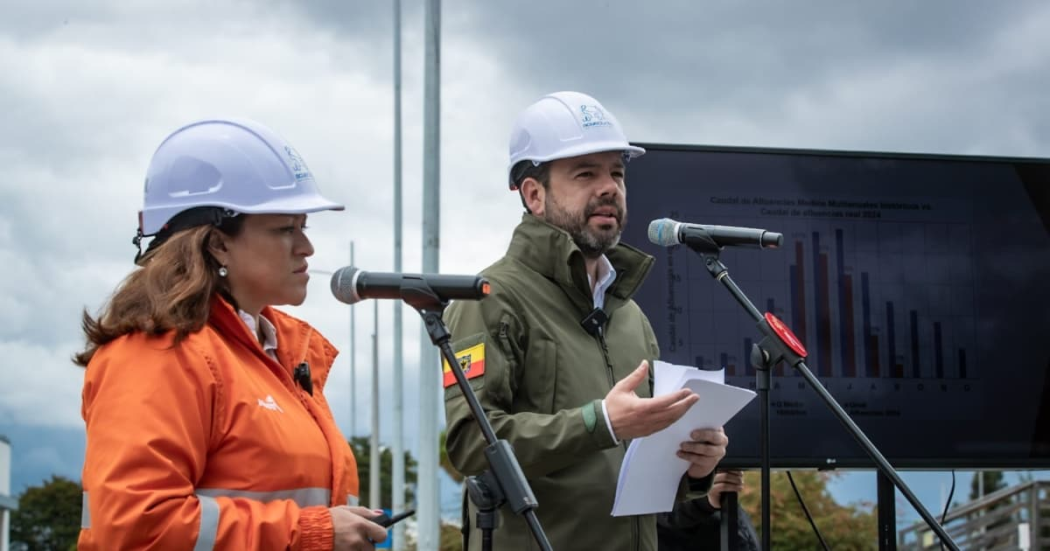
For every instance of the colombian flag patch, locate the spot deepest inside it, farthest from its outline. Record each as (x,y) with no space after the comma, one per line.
(471,361)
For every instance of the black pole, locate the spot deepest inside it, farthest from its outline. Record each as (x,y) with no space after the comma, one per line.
(762,379)
(730,520)
(504,481)
(774,350)
(887,513)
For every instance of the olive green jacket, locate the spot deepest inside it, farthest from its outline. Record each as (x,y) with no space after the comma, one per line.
(543,380)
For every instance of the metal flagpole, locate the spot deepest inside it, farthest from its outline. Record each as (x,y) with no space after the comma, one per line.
(374,491)
(398,483)
(353,362)
(429,370)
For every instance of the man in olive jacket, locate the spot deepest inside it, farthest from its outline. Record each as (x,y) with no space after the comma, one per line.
(559,354)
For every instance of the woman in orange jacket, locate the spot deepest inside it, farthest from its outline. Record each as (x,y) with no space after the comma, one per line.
(207,426)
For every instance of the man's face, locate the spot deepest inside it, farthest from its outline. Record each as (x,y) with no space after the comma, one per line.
(587,198)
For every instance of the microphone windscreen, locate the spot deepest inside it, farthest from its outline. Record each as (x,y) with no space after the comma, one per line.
(663,232)
(344,285)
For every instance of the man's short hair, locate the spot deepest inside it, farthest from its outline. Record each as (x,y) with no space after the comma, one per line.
(527,169)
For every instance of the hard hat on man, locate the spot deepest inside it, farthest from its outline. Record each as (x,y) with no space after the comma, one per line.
(563,125)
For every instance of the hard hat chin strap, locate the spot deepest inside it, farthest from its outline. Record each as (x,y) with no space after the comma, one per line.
(198,216)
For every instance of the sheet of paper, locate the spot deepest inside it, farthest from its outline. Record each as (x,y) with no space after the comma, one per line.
(651,470)
(669,377)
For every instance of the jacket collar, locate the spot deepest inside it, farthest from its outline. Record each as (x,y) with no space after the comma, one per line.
(551,251)
(295,336)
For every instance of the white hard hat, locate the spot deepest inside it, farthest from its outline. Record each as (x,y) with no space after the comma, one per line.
(562,125)
(237,165)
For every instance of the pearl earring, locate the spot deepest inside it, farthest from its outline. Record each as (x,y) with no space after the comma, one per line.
(223,272)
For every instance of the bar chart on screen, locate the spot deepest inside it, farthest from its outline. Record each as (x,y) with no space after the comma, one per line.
(880,291)
(917,284)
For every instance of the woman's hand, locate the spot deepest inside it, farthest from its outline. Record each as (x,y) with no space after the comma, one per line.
(354,530)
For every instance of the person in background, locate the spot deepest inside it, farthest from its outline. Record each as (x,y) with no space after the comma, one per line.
(695,524)
(207,425)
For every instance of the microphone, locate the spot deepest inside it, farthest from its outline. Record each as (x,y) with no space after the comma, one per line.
(666,232)
(351,285)
(594,322)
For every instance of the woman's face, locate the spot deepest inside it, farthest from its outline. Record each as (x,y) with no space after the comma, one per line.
(266,261)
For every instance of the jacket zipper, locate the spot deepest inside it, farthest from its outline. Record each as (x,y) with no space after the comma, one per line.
(605,355)
(635,523)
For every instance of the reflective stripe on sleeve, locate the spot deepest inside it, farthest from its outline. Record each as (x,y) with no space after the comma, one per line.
(352,500)
(209,524)
(85,513)
(303,497)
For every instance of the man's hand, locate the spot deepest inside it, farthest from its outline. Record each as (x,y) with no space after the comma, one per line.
(704,451)
(634,417)
(726,481)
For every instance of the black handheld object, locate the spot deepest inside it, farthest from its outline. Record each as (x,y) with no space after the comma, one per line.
(386,521)
(666,233)
(351,285)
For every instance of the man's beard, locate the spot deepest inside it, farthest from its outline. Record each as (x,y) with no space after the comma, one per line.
(590,242)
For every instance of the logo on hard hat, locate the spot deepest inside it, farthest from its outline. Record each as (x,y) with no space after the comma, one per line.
(298,166)
(592,115)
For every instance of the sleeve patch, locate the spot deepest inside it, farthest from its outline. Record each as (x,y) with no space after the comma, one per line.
(471,360)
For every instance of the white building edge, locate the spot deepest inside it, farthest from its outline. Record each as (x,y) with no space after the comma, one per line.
(8,502)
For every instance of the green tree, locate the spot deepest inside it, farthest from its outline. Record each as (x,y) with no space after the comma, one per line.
(48,516)
(451,535)
(360,445)
(993,481)
(851,526)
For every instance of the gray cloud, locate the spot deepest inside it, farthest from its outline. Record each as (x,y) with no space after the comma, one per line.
(822,74)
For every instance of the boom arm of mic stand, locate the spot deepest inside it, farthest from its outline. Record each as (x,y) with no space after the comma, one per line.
(504,467)
(774,349)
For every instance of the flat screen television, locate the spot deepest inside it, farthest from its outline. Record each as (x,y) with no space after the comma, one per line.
(920,285)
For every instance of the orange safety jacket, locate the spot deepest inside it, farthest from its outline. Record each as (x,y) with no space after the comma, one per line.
(211,444)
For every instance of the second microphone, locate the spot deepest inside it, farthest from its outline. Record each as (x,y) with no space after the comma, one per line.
(352,285)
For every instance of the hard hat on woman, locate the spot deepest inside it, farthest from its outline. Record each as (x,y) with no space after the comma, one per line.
(214,169)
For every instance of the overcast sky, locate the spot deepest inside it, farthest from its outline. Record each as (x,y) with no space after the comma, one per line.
(89,89)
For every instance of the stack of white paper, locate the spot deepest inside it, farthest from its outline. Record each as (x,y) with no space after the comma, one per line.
(651,470)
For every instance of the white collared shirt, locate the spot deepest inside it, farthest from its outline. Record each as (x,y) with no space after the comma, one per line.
(606,277)
(269,332)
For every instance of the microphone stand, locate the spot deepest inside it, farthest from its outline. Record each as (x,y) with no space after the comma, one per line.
(771,350)
(504,482)
(728,523)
